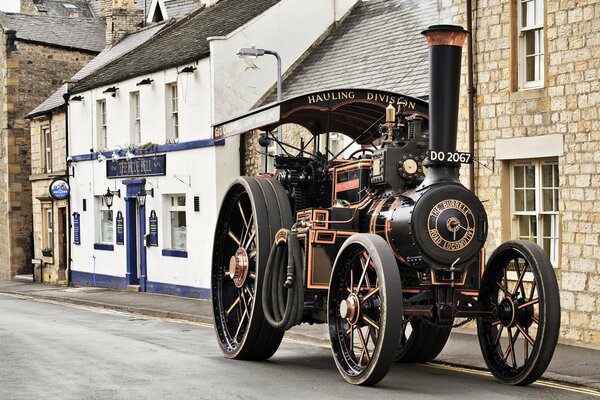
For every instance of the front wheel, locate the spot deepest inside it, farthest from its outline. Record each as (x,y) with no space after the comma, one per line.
(519,340)
(364,309)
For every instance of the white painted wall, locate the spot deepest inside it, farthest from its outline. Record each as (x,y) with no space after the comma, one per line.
(195,167)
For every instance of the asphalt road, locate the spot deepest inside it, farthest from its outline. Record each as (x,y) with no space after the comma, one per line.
(53,351)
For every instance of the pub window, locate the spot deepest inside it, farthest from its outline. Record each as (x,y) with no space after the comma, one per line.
(535,214)
(530,43)
(47,226)
(105,233)
(172,112)
(47,149)
(177,222)
(136,121)
(101,122)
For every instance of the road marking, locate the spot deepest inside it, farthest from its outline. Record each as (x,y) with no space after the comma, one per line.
(554,385)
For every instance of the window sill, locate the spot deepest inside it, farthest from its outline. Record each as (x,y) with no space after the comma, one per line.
(529,94)
(174,253)
(104,246)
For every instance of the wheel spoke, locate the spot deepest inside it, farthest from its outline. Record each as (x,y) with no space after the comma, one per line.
(371,293)
(250,239)
(370,322)
(243,215)
(498,335)
(249,292)
(248,229)
(364,344)
(532,291)
(529,303)
(520,274)
(525,334)
(506,291)
(234,238)
(237,332)
(364,272)
(230,309)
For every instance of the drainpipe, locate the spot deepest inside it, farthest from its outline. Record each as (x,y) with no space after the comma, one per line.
(69,259)
(471,98)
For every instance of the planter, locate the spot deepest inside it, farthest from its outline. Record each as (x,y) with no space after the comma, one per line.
(47,253)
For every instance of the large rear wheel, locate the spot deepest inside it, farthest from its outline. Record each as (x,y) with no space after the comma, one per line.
(519,340)
(364,309)
(253,210)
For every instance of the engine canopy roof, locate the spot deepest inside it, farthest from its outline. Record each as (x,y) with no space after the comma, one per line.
(356,113)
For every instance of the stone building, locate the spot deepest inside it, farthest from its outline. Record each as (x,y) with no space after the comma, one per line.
(36,54)
(537,66)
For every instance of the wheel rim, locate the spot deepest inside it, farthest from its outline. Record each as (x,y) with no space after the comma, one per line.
(235,271)
(358,300)
(513,336)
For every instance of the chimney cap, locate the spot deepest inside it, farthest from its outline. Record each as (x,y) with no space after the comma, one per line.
(445,35)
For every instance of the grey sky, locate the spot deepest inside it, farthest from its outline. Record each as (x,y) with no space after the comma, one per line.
(9,5)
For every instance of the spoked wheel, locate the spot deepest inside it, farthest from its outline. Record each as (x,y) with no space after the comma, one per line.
(252,212)
(364,309)
(519,340)
(420,342)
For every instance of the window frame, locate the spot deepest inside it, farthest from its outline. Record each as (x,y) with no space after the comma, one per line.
(539,55)
(47,226)
(539,211)
(46,136)
(135,118)
(101,121)
(171,206)
(172,111)
(100,209)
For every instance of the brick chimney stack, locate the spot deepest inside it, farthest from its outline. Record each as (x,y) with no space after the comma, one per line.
(122,17)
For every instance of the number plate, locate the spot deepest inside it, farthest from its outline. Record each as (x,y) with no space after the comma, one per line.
(450,157)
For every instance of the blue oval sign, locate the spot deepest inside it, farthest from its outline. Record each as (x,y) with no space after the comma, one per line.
(59,189)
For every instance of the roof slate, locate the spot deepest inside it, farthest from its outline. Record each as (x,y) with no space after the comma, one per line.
(107,55)
(378,45)
(65,8)
(87,34)
(183,42)
(179,8)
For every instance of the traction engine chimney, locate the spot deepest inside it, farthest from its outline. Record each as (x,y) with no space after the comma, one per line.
(445,50)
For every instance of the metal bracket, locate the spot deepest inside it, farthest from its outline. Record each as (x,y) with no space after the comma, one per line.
(487,163)
(188,177)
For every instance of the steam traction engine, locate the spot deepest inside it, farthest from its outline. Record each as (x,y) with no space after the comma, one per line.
(386,246)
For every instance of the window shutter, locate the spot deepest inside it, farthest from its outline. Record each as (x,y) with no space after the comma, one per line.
(196,203)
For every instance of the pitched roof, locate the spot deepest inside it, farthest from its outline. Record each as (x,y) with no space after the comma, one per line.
(181,43)
(86,34)
(378,45)
(125,45)
(65,8)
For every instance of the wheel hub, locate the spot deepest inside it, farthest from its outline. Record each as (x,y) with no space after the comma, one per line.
(238,267)
(506,312)
(350,309)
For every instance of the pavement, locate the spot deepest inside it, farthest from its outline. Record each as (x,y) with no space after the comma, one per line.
(570,364)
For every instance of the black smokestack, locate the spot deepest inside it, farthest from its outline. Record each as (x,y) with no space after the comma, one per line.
(445,49)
